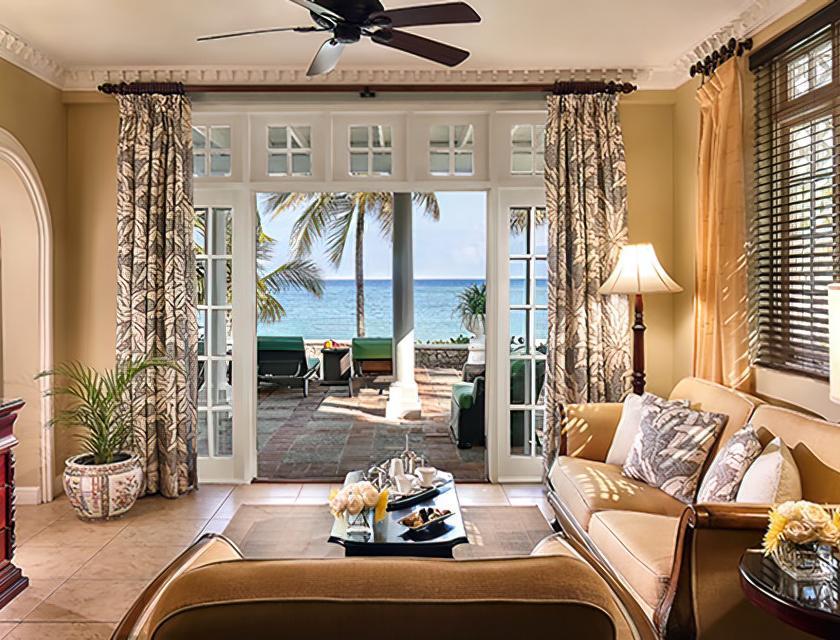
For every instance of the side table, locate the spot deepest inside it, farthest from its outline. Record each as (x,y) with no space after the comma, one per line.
(338,368)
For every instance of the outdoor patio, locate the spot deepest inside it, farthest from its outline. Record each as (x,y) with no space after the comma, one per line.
(328,434)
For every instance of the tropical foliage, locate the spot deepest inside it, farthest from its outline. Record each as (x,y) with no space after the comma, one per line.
(98,403)
(335,217)
(472,307)
(298,273)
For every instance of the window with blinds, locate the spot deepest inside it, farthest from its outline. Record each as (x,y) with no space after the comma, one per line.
(794,228)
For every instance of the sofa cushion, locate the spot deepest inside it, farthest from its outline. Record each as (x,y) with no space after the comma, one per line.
(628,428)
(672,446)
(586,487)
(772,478)
(723,479)
(815,445)
(708,396)
(640,547)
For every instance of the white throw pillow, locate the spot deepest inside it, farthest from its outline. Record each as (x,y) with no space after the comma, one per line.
(773,477)
(628,428)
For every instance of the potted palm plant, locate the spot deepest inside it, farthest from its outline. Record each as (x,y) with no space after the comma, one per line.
(105,480)
(472,310)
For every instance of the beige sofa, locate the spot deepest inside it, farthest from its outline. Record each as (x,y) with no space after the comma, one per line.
(211,592)
(679,562)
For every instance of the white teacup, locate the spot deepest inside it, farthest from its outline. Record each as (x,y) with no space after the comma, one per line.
(427,475)
(396,468)
(404,483)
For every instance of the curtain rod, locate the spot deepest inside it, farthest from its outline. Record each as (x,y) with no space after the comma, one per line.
(137,88)
(370,91)
(733,48)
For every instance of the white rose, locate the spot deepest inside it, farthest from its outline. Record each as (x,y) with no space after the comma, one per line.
(789,510)
(830,534)
(799,532)
(355,504)
(815,515)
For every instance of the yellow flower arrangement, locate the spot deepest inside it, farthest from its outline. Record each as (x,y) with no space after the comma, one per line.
(801,522)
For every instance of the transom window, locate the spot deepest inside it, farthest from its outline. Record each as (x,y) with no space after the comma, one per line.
(289,150)
(211,151)
(451,150)
(371,150)
(213,247)
(809,71)
(527,149)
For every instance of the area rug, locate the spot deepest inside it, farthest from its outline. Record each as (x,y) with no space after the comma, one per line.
(301,531)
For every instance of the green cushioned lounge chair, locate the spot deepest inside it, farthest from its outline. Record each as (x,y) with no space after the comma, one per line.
(283,359)
(466,416)
(373,357)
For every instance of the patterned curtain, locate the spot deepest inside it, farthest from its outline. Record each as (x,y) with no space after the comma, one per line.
(156,281)
(586,195)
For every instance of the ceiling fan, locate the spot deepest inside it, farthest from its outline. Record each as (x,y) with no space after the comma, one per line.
(350,20)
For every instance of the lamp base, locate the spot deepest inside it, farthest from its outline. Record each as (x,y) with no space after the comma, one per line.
(639,346)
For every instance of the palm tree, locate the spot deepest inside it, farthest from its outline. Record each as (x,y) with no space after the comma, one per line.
(334,217)
(297,273)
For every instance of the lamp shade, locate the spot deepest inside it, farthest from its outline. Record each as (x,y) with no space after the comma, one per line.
(834,341)
(638,271)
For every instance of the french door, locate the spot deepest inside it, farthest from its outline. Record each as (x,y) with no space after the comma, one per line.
(224,242)
(521,313)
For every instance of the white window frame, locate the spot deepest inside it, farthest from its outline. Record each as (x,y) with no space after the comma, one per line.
(370,150)
(536,149)
(238,145)
(451,151)
(289,152)
(330,163)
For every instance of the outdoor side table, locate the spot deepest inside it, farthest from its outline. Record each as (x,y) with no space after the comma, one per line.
(337,367)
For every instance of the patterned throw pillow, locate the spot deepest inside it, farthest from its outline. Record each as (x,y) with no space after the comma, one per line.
(672,446)
(723,479)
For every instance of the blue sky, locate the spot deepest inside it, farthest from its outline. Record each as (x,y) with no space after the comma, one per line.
(453,247)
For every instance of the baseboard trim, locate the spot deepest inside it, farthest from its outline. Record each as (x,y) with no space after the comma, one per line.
(27,495)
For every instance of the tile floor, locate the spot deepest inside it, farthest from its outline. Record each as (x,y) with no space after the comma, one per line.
(328,434)
(85,575)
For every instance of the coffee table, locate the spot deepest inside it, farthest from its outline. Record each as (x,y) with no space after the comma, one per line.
(808,606)
(392,539)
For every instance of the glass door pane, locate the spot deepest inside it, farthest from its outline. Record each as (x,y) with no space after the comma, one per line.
(528,328)
(214,261)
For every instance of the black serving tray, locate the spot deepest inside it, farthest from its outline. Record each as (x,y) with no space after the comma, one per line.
(417,498)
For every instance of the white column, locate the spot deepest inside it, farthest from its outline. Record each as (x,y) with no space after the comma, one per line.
(403,399)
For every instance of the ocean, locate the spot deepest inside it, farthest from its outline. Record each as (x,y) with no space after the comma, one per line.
(334,314)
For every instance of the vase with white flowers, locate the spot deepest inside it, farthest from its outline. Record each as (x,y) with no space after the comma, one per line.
(803,538)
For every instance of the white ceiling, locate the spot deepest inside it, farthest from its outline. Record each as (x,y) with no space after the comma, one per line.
(514,34)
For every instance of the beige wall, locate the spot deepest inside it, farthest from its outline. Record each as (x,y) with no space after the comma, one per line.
(32,112)
(647,124)
(21,332)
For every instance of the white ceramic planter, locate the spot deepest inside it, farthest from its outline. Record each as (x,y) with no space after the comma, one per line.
(102,490)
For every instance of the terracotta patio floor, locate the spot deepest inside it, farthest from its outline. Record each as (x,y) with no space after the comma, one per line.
(328,434)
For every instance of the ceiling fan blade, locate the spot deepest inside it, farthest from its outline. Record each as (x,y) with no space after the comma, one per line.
(236,34)
(420,46)
(326,58)
(320,10)
(446,13)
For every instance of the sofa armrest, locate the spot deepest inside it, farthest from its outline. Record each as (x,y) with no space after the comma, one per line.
(731,515)
(209,548)
(704,595)
(588,429)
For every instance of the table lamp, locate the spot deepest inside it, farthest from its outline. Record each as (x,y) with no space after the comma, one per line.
(638,272)
(834,341)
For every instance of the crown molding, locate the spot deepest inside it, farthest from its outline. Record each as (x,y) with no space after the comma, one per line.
(86,78)
(20,53)
(16,50)
(755,17)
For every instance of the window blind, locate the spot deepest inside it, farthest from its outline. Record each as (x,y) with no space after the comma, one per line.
(795,226)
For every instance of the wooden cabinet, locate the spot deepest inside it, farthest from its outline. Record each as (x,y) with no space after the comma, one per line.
(12,580)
